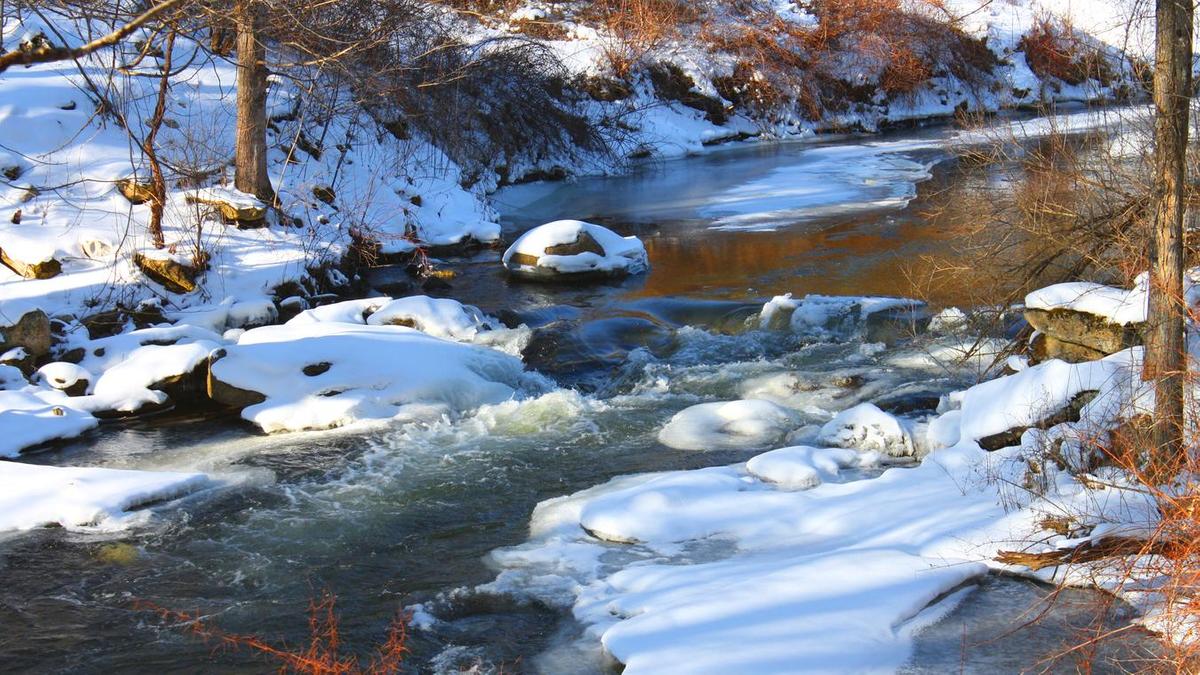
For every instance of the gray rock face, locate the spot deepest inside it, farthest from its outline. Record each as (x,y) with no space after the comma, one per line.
(30,331)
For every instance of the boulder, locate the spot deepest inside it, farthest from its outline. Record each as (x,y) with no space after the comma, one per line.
(235,207)
(68,378)
(41,269)
(227,394)
(1068,413)
(31,331)
(574,250)
(1092,331)
(167,272)
(1043,347)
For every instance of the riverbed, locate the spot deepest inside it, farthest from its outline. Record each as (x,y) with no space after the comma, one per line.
(398,517)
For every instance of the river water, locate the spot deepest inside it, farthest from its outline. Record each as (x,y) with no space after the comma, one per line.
(389,518)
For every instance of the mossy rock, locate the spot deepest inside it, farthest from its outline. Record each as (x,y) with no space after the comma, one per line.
(170,274)
(243,216)
(31,331)
(1044,347)
(1084,329)
(43,269)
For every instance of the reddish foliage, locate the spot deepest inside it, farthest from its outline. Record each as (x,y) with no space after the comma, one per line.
(319,657)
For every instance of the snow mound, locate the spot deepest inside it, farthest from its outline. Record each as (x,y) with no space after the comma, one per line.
(64,376)
(72,497)
(1116,304)
(573,247)
(31,416)
(670,507)
(440,317)
(801,467)
(826,316)
(320,375)
(866,427)
(728,425)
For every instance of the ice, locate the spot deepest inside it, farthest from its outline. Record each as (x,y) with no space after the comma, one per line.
(82,498)
(728,425)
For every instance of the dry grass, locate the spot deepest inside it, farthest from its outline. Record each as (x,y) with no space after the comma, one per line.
(320,656)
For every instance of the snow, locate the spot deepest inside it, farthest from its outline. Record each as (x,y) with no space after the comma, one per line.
(92,499)
(728,425)
(835,578)
(827,316)
(60,375)
(373,373)
(802,467)
(439,317)
(621,254)
(31,416)
(1118,305)
(867,427)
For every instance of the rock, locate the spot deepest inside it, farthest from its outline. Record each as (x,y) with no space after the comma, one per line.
(890,326)
(1069,413)
(136,192)
(234,207)
(98,249)
(324,193)
(228,394)
(1044,347)
(169,273)
(31,331)
(42,269)
(19,358)
(866,427)
(574,250)
(68,378)
(1084,329)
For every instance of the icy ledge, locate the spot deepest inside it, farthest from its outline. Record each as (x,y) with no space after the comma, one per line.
(82,498)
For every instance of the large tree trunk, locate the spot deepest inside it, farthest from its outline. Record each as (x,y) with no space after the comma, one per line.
(250,157)
(1166,357)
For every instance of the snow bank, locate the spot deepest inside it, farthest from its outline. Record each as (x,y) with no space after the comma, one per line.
(36,496)
(728,425)
(573,247)
(836,578)
(319,375)
(31,416)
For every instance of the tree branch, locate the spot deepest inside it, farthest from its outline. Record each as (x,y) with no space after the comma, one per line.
(49,54)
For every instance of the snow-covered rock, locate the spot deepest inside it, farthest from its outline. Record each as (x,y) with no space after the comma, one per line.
(70,378)
(1080,321)
(830,316)
(30,416)
(93,498)
(323,374)
(866,427)
(440,317)
(743,424)
(574,249)
(802,467)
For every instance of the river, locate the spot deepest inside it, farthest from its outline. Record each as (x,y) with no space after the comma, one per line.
(389,518)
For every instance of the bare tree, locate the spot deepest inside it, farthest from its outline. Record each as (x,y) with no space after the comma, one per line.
(1166,357)
(250,149)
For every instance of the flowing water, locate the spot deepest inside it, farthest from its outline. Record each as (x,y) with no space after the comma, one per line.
(389,518)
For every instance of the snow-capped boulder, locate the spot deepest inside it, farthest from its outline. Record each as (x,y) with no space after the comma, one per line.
(801,467)
(324,374)
(728,425)
(573,249)
(440,317)
(235,207)
(866,427)
(36,496)
(1084,321)
(68,378)
(30,264)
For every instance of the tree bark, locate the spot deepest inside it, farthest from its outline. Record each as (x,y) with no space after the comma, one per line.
(158,183)
(1166,356)
(250,156)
